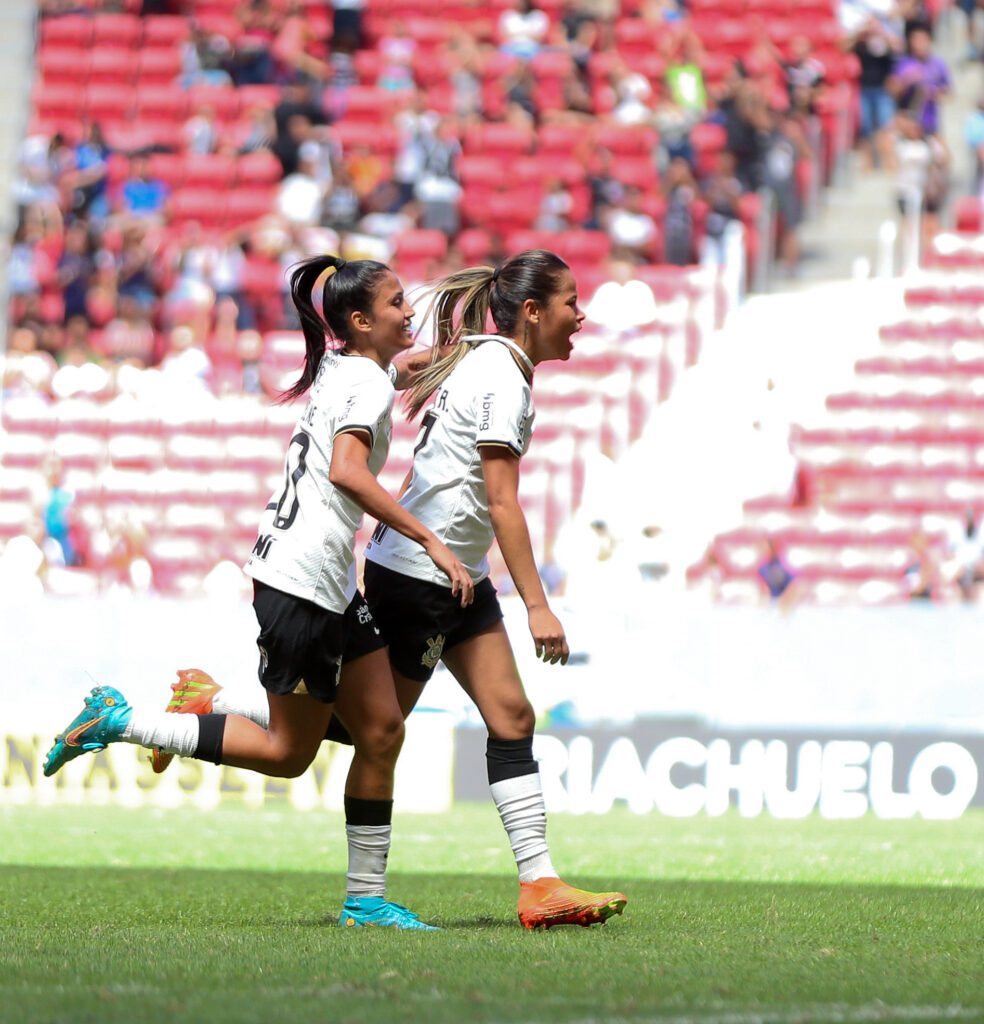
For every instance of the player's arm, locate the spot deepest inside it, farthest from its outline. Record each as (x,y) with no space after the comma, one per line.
(500,467)
(350,471)
(409,363)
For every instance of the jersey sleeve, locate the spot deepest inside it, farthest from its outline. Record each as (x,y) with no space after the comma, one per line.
(502,412)
(368,403)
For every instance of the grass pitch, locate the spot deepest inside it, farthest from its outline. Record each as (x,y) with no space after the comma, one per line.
(109,915)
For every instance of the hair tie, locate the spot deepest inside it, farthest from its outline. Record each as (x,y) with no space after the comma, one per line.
(495,275)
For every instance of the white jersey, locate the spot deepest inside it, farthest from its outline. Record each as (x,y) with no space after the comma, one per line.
(485,400)
(307,532)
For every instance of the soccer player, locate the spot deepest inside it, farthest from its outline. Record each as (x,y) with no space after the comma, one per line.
(316,630)
(464,487)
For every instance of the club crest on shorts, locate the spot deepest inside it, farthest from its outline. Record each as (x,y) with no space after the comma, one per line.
(435,645)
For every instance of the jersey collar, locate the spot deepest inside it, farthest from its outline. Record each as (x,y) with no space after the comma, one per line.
(509,343)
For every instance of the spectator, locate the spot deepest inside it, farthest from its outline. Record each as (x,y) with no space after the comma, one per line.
(921,80)
(876,45)
(75,269)
(519,89)
(135,274)
(88,179)
(974,137)
(747,121)
(143,198)
(804,75)
(261,132)
(57,515)
(523,30)
(437,189)
(200,132)
(632,93)
(202,57)
(297,49)
(295,101)
(920,163)
(922,573)
(301,195)
(26,369)
(680,189)
(785,147)
(556,207)
(465,76)
(129,337)
(579,35)
(776,576)
(252,62)
(185,366)
(397,51)
(37,172)
(966,557)
(631,228)
(607,192)
(622,303)
(347,27)
(721,191)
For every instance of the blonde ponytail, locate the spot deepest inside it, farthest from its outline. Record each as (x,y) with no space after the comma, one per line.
(459,306)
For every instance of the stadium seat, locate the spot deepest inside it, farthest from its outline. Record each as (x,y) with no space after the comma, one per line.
(124,30)
(159,66)
(497,138)
(967,213)
(211,170)
(162,102)
(249,203)
(224,100)
(162,30)
(420,244)
(71,30)
(60,65)
(108,103)
(207,206)
(260,168)
(110,65)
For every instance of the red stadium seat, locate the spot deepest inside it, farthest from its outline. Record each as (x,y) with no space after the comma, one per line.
(70,30)
(265,96)
(626,140)
(584,246)
(382,139)
(209,170)
(159,66)
(108,103)
(207,206)
(259,168)
(165,30)
(64,66)
(110,65)
(249,203)
(123,30)
(223,99)
(421,244)
(56,102)
(169,102)
(475,245)
(169,167)
(967,213)
(367,104)
(497,138)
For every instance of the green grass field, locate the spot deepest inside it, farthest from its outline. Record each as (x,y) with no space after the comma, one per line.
(109,915)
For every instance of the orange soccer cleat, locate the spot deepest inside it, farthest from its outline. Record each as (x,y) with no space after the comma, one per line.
(549,901)
(193,695)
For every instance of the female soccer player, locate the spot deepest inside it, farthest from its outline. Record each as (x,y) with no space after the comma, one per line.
(311,616)
(464,487)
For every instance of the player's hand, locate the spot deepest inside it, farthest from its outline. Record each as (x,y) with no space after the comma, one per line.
(462,585)
(548,636)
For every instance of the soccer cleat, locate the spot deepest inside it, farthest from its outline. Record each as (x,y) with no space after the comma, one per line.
(549,901)
(99,723)
(193,695)
(375,912)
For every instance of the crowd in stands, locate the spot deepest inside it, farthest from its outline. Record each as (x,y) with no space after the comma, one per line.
(182,155)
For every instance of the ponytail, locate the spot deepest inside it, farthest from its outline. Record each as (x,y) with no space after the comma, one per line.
(461,305)
(351,287)
(469,289)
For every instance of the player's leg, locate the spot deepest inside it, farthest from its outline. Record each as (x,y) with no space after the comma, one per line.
(368,706)
(485,667)
(297,724)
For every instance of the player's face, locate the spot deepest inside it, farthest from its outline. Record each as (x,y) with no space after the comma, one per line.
(560,320)
(392,316)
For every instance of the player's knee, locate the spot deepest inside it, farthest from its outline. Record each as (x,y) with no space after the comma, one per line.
(288,763)
(517,720)
(382,740)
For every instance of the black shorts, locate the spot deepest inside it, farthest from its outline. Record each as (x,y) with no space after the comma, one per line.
(421,620)
(300,640)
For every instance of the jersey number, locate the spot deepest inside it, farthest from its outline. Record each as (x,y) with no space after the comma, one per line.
(296,457)
(426,426)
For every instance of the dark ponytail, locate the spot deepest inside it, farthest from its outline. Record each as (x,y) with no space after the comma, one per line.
(351,287)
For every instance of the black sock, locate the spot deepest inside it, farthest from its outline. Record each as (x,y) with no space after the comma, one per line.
(508,759)
(368,812)
(211,730)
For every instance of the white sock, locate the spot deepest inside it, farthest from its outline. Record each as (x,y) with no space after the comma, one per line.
(368,849)
(226,703)
(174,734)
(520,805)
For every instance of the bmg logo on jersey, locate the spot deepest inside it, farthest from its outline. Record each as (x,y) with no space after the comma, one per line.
(262,546)
(488,403)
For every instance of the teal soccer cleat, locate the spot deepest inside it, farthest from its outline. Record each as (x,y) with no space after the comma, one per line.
(375,912)
(101,721)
